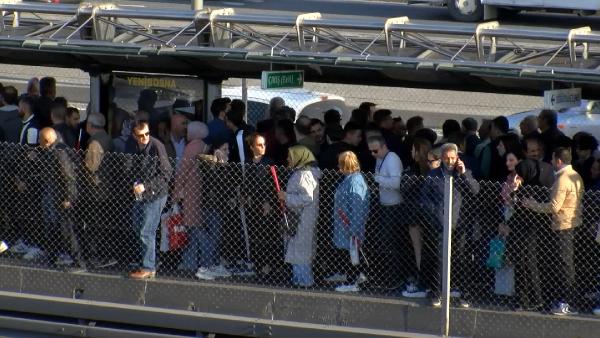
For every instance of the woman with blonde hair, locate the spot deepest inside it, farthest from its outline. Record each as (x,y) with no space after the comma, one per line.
(350,211)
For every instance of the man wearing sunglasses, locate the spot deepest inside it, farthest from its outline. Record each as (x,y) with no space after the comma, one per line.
(151,172)
(388,168)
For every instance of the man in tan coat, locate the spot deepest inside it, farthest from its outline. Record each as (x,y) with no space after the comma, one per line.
(565,207)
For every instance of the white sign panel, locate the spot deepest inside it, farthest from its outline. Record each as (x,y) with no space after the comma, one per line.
(562,98)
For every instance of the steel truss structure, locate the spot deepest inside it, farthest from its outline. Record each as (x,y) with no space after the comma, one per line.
(486,49)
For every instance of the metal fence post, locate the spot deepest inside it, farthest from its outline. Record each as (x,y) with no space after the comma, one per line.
(197,5)
(447,240)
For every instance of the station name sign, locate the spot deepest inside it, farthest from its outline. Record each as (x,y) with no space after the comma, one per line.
(282,79)
(562,98)
(151,82)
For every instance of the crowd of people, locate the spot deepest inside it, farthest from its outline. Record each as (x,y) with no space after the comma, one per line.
(357,204)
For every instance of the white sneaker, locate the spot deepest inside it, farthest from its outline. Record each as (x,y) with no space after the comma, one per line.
(205,274)
(33,253)
(64,259)
(220,271)
(596,311)
(361,278)
(464,304)
(20,247)
(337,278)
(3,246)
(455,293)
(347,288)
(436,302)
(413,291)
(563,309)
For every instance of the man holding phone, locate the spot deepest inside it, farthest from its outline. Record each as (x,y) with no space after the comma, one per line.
(433,200)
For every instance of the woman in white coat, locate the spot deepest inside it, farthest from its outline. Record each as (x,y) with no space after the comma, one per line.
(301,199)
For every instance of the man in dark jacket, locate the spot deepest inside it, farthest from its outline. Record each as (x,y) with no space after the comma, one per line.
(551,136)
(433,201)
(58,113)
(350,142)
(30,127)
(43,104)
(96,198)
(10,122)
(240,153)
(151,172)
(240,150)
(59,193)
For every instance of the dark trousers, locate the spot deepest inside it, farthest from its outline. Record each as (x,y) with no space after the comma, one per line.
(460,265)
(563,252)
(97,242)
(62,234)
(528,283)
(387,253)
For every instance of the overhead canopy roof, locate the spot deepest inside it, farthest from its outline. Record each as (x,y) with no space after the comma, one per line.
(222,43)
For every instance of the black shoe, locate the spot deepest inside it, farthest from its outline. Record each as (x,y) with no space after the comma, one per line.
(529,308)
(104,263)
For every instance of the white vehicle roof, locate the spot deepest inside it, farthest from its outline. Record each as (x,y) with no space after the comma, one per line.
(304,101)
(585,118)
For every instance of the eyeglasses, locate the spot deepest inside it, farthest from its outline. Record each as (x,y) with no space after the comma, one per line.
(146,134)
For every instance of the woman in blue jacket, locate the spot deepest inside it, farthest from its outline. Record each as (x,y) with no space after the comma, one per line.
(350,211)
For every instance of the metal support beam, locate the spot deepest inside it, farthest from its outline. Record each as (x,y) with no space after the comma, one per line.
(389,41)
(480,40)
(300,28)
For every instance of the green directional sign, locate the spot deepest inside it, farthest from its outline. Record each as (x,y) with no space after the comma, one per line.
(282,79)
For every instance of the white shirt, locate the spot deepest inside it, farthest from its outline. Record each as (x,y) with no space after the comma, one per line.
(388,173)
(239,137)
(32,133)
(179,147)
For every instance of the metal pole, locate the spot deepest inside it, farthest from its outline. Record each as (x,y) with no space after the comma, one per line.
(448,184)
(197,5)
(245,97)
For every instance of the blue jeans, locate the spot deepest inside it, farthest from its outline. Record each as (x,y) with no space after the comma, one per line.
(145,219)
(302,275)
(203,243)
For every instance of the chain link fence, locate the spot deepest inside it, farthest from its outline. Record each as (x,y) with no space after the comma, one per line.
(222,221)
(225,223)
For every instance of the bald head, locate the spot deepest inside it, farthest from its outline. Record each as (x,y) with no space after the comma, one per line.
(48,137)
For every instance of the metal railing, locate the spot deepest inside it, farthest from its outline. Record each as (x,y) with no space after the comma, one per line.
(396,42)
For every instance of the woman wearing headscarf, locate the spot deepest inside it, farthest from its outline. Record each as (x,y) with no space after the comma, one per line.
(527,231)
(350,212)
(301,199)
(188,191)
